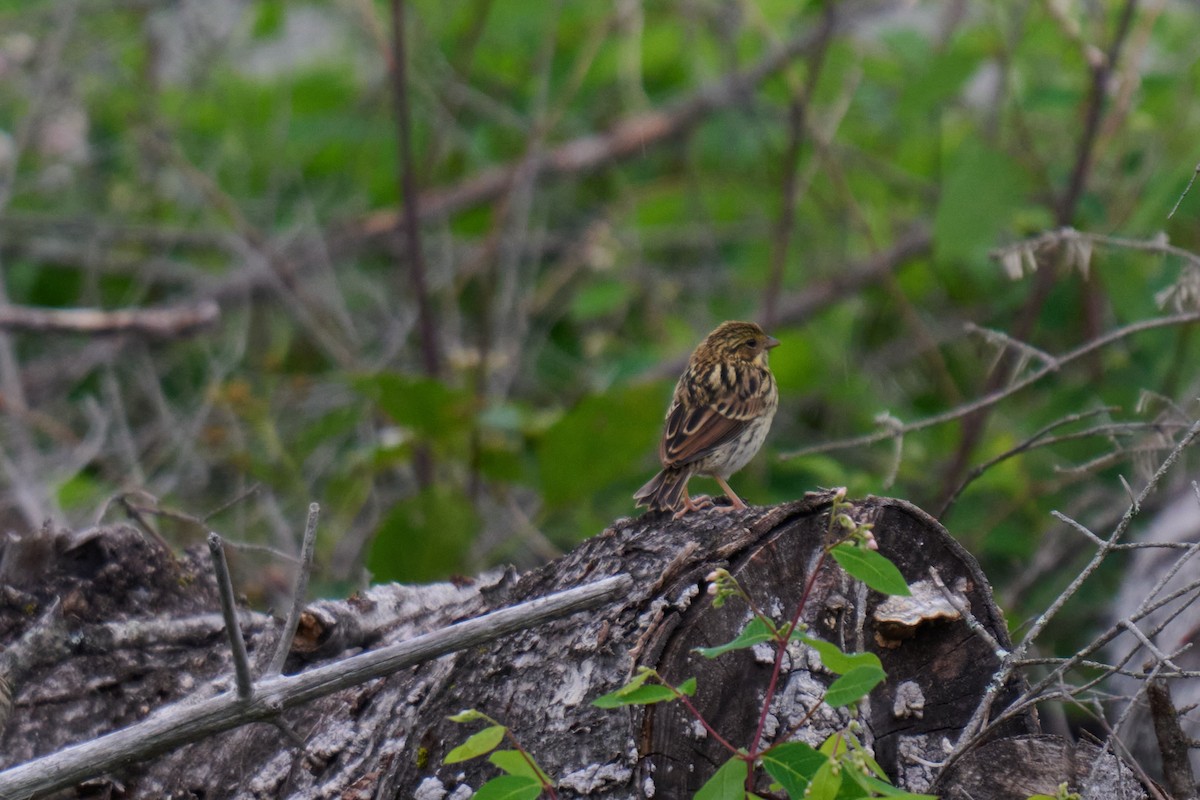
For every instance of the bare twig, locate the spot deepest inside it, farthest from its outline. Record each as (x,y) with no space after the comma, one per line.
(1186,189)
(1024,446)
(1158,245)
(964,608)
(996,396)
(299,592)
(410,219)
(979,723)
(241,663)
(158,323)
(185,722)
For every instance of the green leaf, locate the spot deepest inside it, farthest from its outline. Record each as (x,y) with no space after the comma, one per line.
(424,537)
(477,744)
(875,786)
(793,765)
(834,659)
(853,685)
(510,787)
(515,763)
(603,439)
(727,783)
(637,692)
(826,783)
(641,696)
(430,408)
(755,632)
(467,715)
(968,222)
(871,568)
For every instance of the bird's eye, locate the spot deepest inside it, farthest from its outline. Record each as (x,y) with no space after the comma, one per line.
(752,343)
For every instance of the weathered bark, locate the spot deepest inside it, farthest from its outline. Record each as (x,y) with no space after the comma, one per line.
(387,738)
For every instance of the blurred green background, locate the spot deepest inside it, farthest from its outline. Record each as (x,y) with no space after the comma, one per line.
(847,195)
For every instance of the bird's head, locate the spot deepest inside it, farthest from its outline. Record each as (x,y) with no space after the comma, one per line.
(737,341)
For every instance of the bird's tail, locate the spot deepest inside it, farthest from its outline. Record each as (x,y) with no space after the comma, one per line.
(664,492)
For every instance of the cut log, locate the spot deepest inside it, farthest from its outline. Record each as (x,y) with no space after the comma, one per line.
(388,737)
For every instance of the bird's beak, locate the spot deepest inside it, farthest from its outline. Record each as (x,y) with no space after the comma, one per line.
(772,342)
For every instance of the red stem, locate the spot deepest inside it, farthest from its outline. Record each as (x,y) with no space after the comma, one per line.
(546,785)
(780,649)
(687,703)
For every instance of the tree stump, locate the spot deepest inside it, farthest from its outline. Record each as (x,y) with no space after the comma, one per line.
(387,738)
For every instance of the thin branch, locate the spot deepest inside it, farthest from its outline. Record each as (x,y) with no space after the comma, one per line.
(964,608)
(159,323)
(191,721)
(1158,245)
(978,725)
(996,396)
(299,592)
(1093,114)
(410,219)
(1186,189)
(241,663)
(797,113)
(629,138)
(1024,446)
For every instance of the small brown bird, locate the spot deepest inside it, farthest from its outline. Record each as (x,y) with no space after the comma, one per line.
(722,409)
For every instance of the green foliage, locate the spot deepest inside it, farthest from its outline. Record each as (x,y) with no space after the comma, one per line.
(424,537)
(793,765)
(854,685)
(478,744)
(757,630)
(796,768)
(524,779)
(641,692)
(969,222)
(871,568)
(727,783)
(600,440)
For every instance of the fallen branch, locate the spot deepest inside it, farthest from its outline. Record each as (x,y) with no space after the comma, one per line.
(184,722)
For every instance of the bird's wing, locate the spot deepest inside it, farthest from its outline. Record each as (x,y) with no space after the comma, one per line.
(696,429)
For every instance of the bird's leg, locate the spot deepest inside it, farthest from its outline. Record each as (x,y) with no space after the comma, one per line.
(699,504)
(736,503)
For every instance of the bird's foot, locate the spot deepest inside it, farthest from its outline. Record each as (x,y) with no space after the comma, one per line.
(694,504)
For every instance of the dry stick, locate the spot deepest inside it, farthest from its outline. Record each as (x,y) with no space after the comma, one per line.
(1110,669)
(975,726)
(1157,245)
(995,397)
(299,592)
(964,608)
(241,663)
(154,322)
(190,721)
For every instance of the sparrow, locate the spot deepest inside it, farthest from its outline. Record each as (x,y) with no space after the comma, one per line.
(718,418)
